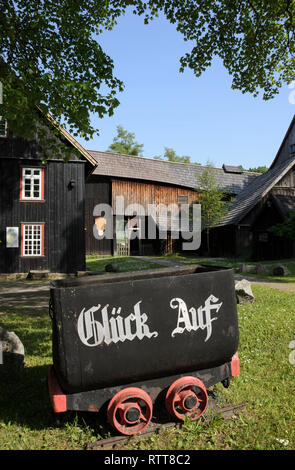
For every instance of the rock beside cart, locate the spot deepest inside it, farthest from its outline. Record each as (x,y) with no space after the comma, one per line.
(244,292)
(112,268)
(12,355)
(280,270)
(262,269)
(247,268)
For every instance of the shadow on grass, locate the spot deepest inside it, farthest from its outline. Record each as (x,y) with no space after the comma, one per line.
(25,403)
(25,299)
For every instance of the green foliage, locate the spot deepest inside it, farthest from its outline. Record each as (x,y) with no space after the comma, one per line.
(124,143)
(259,169)
(171,156)
(287,228)
(51,56)
(212,199)
(213,203)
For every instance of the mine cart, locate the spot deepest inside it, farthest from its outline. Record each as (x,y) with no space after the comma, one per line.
(122,341)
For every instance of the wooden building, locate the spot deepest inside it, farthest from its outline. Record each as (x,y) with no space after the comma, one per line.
(265,202)
(144,181)
(41,205)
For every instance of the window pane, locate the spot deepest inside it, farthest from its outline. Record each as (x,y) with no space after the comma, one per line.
(32,241)
(32,183)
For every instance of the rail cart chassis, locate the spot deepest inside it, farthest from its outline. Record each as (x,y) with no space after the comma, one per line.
(130,407)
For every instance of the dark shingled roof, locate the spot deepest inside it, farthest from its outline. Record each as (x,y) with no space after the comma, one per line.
(255,191)
(283,142)
(161,171)
(232,169)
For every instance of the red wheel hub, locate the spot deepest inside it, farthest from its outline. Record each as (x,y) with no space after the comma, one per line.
(130,411)
(187,397)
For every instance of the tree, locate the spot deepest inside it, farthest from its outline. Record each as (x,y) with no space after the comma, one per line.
(171,156)
(287,228)
(212,200)
(50,54)
(259,169)
(124,143)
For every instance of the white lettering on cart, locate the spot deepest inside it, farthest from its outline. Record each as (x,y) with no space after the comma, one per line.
(111,330)
(192,320)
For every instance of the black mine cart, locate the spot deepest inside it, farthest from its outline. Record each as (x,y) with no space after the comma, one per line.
(122,341)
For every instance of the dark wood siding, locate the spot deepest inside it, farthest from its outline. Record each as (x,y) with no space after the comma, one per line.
(62,214)
(98,191)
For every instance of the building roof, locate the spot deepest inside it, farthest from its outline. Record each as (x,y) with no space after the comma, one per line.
(255,191)
(70,139)
(283,142)
(162,171)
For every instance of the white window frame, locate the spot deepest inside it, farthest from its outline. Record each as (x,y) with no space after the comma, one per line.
(32,243)
(5,128)
(32,178)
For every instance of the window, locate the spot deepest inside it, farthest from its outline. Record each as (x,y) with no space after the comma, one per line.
(263,237)
(3,128)
(182,199)
(293,148)
(32,240)
(32,184)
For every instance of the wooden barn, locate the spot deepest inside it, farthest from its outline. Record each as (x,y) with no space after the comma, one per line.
(41,205)
(265,202)
(144,181)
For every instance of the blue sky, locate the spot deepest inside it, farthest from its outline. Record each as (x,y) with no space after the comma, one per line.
(200,117)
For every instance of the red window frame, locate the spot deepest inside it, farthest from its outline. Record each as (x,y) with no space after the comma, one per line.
(22,198)
(42,225)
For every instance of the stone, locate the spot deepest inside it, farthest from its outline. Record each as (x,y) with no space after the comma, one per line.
(280,270)
(38,274)
(248,268)
(112,268)
(12,355)
(262,269)
(244,292)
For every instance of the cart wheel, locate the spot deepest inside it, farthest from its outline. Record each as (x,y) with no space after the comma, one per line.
(130,411)
(186,397)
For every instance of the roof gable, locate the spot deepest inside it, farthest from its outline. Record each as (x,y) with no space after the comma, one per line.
(71,140)
(279,156)
(255,191)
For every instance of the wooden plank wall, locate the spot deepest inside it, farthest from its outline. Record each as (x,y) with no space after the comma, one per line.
(288,181)
(62,214)
(148,193)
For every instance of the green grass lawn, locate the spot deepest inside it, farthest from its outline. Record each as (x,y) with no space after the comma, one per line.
(235,263)
(125,263)
(267,383)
